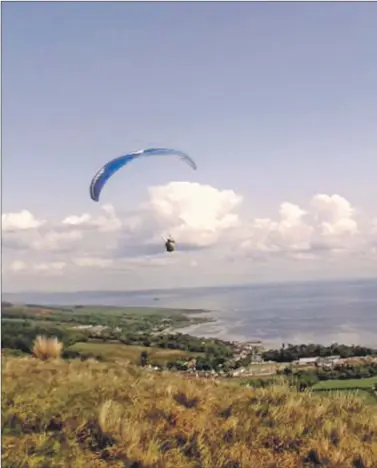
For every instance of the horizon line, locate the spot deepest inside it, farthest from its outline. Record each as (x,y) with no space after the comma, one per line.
(188,288)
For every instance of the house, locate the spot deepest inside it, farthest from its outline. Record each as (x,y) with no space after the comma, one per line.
(329,361)
(332,358)
(307,361)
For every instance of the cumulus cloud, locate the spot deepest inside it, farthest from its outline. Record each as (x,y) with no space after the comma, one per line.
(18,265)
(22,221)
(334,214)
(49,267)
(45,239)
(56,241)
(205,221)
(108,221)
(327,225)
(90,262)
(197,214)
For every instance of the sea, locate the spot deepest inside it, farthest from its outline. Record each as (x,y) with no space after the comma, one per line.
(313,312)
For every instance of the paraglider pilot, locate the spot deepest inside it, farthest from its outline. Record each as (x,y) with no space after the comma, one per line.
(170,244)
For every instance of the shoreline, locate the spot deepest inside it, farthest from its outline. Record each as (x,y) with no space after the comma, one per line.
(145,327)
(196,322)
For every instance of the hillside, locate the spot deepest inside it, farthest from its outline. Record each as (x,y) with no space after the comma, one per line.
(95,414)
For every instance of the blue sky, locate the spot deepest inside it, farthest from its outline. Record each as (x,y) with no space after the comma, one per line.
(275,101)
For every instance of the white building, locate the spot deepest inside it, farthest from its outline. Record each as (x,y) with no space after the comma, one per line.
(307,361)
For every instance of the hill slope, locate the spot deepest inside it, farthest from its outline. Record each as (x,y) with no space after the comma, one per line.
(91,414)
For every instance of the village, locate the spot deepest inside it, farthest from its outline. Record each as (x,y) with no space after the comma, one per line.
(252,351)
(248,359)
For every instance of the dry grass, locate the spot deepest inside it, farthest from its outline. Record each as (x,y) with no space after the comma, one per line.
(47,348)
(91,414)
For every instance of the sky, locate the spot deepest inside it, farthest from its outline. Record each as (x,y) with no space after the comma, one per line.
(276,103)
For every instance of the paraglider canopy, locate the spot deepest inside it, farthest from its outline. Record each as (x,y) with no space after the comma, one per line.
(110,168)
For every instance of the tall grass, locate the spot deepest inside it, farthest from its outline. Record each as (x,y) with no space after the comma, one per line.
(47,348)
(91,414)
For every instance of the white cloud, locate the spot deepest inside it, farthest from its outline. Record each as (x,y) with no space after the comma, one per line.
(24,220)
(56,241)
(327,225)
(210,231)
(334,214)
(90,262)
(46,238)
(291,214)
(74,220)
(49,267)
(18,265)
(331,208)
(109,221)
(196,214)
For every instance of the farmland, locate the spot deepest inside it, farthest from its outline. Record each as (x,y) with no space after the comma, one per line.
(346,384)
(364,388)
(120,352)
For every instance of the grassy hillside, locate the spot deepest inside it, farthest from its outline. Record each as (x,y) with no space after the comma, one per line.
(90,414)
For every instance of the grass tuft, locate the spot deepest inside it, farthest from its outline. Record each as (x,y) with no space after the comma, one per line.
(47,348)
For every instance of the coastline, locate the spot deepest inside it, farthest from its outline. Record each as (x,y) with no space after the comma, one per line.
(341,315)
(214,327)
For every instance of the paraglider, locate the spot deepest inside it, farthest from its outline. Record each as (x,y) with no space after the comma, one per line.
(111,167)
(170,244)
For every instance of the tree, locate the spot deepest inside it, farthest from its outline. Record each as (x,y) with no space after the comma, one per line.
(287,371)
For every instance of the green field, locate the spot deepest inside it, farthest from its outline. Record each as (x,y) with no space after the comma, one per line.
(116,351)
(362,388)
(346,384)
